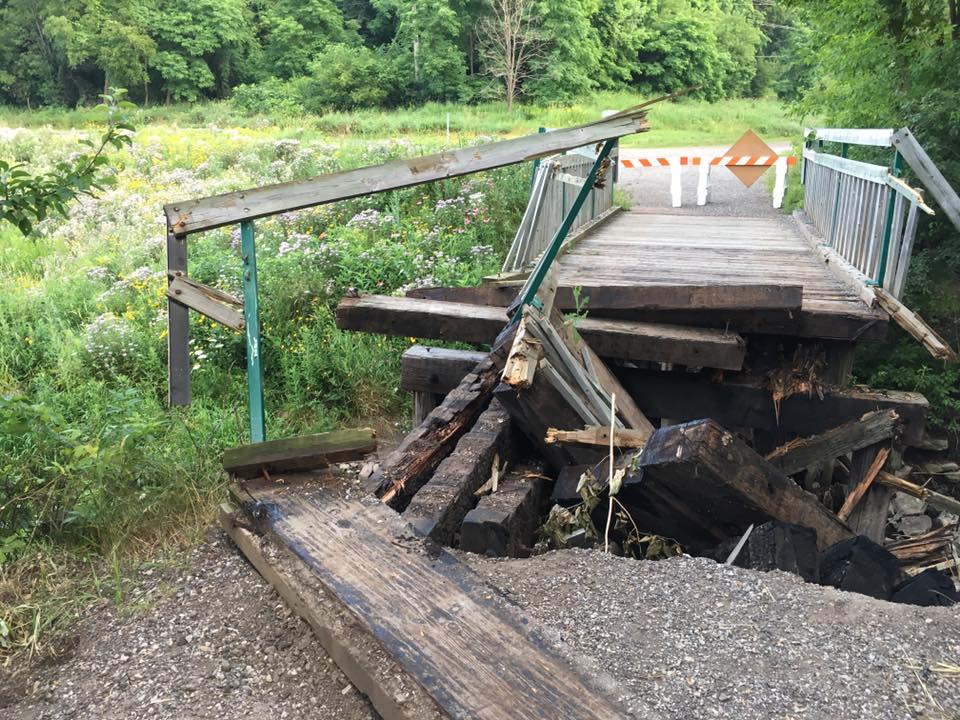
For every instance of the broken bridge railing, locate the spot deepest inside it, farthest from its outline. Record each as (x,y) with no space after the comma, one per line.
(866,212)
(556,181)
(244,207)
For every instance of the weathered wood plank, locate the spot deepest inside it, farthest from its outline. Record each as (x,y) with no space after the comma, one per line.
(303,452)
(436,370)
(189,216)
(723,484)
(620,339)
(178,328)
(472,651)
(741,402)
(394,693)
(596,299)
(869,517)
(207,301)
(504,522)
(928,174)
(916,326)
(800,453)
(405,469)
(438,508)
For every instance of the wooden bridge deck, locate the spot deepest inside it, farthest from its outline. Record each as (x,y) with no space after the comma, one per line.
(639,248)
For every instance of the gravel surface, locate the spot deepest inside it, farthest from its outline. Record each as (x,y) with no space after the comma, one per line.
(650,187)
(700,640)
(201,637)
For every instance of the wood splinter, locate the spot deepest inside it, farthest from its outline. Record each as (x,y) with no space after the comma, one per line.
(599,435)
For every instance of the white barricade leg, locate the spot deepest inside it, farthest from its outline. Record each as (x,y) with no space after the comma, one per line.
(780,181)
(675,189)
(703,184)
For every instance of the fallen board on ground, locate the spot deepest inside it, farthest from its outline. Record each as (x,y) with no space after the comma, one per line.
(473,652)
(304,452)
(633,297)
(702,484)
(736,402)
(620,339)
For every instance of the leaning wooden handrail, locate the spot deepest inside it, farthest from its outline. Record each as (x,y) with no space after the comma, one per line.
(190,216)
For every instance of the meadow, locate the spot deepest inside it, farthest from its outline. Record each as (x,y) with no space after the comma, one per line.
(96,468)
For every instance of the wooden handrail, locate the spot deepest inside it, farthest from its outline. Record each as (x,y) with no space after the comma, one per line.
(190,216)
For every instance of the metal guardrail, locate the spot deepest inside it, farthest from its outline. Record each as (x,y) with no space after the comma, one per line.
(864,212)
(556,182)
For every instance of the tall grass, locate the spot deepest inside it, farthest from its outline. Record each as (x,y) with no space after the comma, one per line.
(681,122)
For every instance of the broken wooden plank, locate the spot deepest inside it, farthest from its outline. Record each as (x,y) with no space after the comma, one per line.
(801,453)
(738,401)
(700,484)
(524,355)
(189,216)
(438,508)
(303,452)
(213,303)
(621,339)
(869,518)
(405,469)
(596,299)
(863,484)
(394,693)
(928,174)
(915,325)
(944,502)
(599,435)
(532,408)
(503,523)
(473,651)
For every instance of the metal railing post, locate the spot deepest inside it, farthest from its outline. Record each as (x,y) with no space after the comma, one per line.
(251,316)
(895,169)
(530,288)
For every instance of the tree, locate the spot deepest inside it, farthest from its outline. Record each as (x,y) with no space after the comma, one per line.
(26,199)
(509,41)
(569,64)
(199,43)
(297,31)
(426,48)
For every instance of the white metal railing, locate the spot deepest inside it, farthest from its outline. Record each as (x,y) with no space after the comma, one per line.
(556,182)
(864,212)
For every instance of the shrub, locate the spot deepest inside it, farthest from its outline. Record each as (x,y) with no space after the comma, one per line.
(268,97)
(344,78)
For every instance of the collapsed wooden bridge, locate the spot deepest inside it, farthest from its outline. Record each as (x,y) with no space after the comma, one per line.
(709,348)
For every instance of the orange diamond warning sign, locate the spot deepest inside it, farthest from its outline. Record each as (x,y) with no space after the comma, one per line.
(751,148)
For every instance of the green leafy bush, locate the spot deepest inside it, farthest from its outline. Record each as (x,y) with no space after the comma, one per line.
(272,96)
(345,78)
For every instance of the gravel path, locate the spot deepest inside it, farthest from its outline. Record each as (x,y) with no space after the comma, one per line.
(701,640)
(205,637)
(650,187)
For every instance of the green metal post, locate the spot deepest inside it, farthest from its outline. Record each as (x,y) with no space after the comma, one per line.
(251,316)
(836,199)
(529,291)
(896,168)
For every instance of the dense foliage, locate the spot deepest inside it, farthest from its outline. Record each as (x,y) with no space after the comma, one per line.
(87,448)
(329,54)
(892,63)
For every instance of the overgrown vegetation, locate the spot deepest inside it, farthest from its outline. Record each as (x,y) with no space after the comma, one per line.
(326,55)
